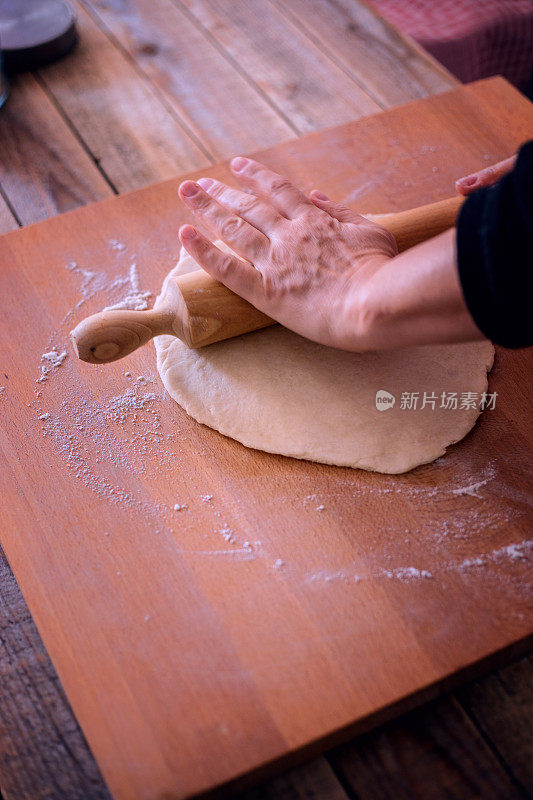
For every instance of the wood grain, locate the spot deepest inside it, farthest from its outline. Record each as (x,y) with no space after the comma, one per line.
(28,767)
(42,755)
(433,754)
(263,628)
(8,221)
(123,120)
(220,103)
(313,781)
(44,169)
(501,705)
(390,67)
(303,83)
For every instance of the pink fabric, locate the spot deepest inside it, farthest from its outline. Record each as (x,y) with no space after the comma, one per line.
(472,38)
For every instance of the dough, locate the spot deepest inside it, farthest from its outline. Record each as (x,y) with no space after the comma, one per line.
(276,391)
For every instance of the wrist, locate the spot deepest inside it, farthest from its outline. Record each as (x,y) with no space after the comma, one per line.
(363,313)
(415,298)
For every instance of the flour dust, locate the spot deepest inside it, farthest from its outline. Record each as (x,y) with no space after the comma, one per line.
(104,433)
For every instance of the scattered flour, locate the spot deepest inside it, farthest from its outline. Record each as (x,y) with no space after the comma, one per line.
(407,573)
(513,552)
(135,300)
(50,361)
(330,576)
(123,433)
(227,534)
(122,407)
(472,489)
(236,553)
(114,244)
(94,283)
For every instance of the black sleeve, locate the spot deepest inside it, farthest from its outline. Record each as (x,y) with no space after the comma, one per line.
(495,255)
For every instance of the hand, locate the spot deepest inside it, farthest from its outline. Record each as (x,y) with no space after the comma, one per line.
(485,177)
(304,261)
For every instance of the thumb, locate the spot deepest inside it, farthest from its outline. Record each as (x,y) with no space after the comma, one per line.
(485,177)
(335,210)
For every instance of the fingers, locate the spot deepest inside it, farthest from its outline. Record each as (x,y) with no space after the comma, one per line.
(485,177)
(335,210)
(263,216)
(233,272)
(242,237)
(280,192)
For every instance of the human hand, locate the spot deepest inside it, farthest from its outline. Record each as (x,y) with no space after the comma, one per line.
(304,261)
(485,177)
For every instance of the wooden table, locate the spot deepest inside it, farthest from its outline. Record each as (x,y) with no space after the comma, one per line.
(119,115)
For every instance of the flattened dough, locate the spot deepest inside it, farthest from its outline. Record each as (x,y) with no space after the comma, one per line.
(273,390)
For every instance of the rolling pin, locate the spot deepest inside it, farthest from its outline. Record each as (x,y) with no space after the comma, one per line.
(200,311)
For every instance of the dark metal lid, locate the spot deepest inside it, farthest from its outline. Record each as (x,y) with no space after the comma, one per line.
(35,32)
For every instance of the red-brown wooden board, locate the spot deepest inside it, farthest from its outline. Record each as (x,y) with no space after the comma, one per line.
(190,658)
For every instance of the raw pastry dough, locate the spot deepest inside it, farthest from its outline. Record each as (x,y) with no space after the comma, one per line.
(276,391)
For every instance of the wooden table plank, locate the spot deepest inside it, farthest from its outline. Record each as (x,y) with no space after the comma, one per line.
(501,705)
(435,753)
(217,100)
(8,221)
(120,116)
(315,780)
(153,243)
(43,753)
(44,169)
(390,67)
(307,87)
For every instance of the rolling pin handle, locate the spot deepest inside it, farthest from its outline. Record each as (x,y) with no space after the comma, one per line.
(110,335)
(416,225)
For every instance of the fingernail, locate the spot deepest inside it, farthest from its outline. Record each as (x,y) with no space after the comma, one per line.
(470,180)
(239,163)
(206,183)
(187,232)
(189,188)
(320,196)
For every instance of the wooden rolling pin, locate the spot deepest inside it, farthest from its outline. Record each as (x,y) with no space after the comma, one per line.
(200,311)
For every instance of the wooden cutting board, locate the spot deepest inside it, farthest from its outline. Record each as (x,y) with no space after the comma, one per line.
(290,604)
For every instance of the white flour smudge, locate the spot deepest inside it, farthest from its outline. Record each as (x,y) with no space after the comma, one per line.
(519,551)
(407,573)
(356,572)
(472,489)
(114,244)
(135,300)
(50,361)
(94,283)
(360,191)
(238,553)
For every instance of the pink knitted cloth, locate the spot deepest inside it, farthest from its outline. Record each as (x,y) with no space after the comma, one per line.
(472,38)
